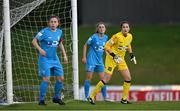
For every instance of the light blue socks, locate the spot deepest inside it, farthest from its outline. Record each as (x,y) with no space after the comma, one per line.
(57,89)
(43,89)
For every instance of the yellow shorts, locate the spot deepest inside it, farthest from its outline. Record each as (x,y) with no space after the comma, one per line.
(110,64)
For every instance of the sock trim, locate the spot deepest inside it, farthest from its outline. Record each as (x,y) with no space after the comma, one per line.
(127,81)
(103,82)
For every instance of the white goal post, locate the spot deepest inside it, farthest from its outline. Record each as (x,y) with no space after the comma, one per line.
(75,49)
(7,36)
(6,29)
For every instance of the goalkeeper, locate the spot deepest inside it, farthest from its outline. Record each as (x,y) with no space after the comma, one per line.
(47,41)
(116,48)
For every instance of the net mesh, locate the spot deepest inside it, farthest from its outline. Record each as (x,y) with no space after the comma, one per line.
(28,17)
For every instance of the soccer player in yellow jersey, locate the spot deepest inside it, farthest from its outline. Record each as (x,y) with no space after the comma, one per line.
(116,49)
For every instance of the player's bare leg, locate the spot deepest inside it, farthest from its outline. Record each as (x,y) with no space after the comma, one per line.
(101,75)
(43,89)
(126,86)
(46,79)
(89,76)
(57,90)
(107,77)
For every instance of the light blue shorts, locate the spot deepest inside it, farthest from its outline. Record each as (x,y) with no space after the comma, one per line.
(94,68)
(47,69)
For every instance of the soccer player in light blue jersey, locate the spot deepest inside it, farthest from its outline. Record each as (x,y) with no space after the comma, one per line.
(46,42)
(94,58)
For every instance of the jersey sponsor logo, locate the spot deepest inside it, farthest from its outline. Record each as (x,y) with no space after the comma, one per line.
(99,48)
(53,43)
(122,48)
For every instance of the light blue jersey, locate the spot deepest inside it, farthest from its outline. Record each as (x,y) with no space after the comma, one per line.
(49,41)
(95,53)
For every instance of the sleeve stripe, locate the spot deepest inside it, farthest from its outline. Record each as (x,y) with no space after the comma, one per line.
(39,35)
(61,40)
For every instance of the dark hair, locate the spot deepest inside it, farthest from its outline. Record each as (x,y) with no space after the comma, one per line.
(124,22)
(97,25)
(54,16)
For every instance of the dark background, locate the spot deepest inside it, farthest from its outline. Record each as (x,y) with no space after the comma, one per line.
(135,11)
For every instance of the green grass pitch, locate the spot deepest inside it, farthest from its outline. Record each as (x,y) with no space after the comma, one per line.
(79,105)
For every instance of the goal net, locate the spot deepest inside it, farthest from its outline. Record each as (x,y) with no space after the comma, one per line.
(28,17)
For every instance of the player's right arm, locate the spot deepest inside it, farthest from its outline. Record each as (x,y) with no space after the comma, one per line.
(84,53)
(36,44)
(108,46)
(85,47)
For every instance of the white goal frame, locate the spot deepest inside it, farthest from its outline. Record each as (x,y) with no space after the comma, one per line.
(8,56)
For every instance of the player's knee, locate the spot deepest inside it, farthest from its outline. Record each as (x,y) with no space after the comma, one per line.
(60,78)
(106,78)
(46,79)
(128,78)
(89,77)
(101,76)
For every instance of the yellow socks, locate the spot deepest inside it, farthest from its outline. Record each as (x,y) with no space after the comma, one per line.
(100,84)
(98,87)
(126,88)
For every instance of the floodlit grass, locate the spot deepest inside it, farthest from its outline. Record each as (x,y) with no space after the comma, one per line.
(79,105)
(157,51)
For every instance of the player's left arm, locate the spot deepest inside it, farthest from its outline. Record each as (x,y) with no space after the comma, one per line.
(63,51)
(132,56)
(105,51)
(129,49)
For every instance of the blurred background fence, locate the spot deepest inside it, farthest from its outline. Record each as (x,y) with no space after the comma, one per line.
(136,11)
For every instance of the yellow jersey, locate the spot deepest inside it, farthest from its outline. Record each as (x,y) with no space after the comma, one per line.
(119,44)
